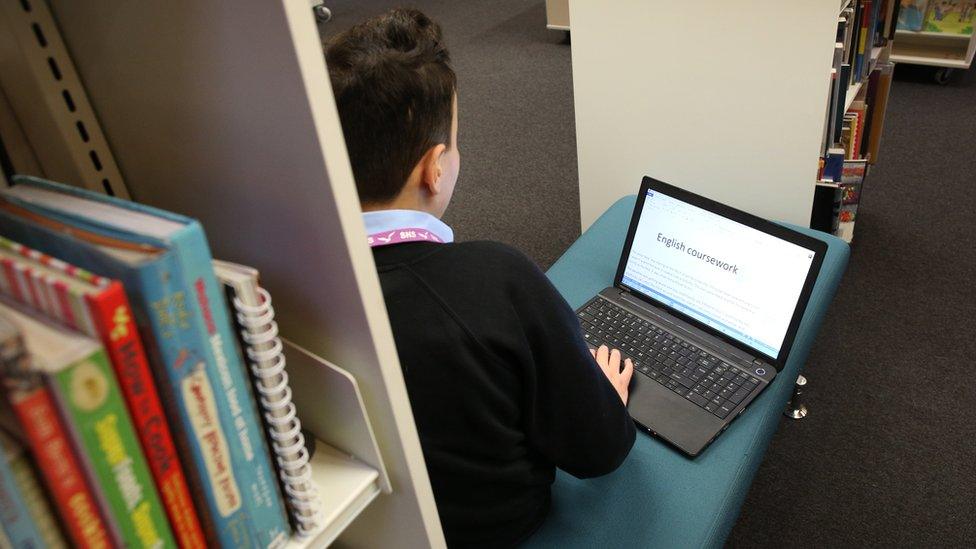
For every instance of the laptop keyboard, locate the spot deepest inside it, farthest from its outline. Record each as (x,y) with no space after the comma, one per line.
(678,365)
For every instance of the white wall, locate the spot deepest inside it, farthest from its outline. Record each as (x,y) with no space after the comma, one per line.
(726,99)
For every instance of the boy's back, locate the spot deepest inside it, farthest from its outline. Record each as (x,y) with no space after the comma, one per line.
(494,366)
(502,386)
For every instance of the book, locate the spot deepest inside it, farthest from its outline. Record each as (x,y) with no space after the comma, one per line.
(950,16)
(859,111)
(833,164)
(847,134)
(863,45)
(32,494)
(16,520)
(253,315)
(826,207)
(879,96)
(911,14)
(163,261)
(77,372)
(851,184)
(871,114)
(893,18)
(98,307)
(845,78)
(46,435)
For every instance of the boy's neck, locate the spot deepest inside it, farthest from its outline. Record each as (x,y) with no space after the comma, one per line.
(402,202)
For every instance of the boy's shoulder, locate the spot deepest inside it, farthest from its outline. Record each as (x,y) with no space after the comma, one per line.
(490,253)
(476,259)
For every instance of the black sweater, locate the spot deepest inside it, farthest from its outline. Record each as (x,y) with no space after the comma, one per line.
(502,386)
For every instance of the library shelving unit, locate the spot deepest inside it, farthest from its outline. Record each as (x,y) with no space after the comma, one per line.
(938,49)
(225,113)
(877,55)
(724,99)
(557,15)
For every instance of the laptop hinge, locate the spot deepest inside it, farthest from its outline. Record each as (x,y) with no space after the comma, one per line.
(694,333)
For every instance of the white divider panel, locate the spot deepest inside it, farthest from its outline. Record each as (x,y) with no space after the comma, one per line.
(726,99)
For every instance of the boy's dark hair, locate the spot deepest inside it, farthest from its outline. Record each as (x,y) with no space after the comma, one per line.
(394,88)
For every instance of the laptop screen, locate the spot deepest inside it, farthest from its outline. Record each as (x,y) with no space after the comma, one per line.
(736,279)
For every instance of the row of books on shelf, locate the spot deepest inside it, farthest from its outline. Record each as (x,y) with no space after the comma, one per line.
(862,26)
(942,16)
(845,162)
(145,397)
(853,125)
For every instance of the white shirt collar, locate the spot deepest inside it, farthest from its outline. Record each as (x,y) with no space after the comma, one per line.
(388,220)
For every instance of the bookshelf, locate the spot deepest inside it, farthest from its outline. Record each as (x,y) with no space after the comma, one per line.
(228,116)
(55,132)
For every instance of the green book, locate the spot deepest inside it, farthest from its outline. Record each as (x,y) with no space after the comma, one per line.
(79,375)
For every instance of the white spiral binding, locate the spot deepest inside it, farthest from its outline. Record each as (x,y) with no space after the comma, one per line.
(284,427)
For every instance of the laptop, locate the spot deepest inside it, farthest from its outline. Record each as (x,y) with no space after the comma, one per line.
(706,303)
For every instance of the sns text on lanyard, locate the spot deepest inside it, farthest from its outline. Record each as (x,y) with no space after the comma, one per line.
(400,236)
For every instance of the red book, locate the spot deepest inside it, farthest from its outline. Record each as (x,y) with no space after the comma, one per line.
(62,473)
(98,307)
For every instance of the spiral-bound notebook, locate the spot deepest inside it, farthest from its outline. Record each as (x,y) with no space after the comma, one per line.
(258,334)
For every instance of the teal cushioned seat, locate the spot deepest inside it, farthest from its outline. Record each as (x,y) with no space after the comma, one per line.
(658,497)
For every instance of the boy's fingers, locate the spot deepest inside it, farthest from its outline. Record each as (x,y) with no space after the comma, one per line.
(601,355)
(627,373)
(593,352)
(615,361)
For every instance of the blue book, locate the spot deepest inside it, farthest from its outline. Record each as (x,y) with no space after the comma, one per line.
(834,164)
(164,262)
(15,516)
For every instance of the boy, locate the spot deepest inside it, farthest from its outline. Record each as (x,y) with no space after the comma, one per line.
(501,383)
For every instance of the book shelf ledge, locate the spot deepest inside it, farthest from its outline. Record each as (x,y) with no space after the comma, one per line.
(346,487)
(927,35)
(932,60)
(851,95)
(346,466)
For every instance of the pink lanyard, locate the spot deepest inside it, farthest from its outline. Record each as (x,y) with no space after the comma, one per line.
(400,236)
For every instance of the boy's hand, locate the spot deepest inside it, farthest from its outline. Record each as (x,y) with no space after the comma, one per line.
(609,362)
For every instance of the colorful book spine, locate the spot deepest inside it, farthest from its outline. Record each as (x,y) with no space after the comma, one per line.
(37,504)
(15,517)
(91,401)
(114,319)
(178,307)
(160,306)
(265,506)
(59,466)
(103,311)
(863,46)
(193,391)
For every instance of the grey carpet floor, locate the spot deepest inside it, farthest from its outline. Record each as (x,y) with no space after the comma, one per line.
(887,456)
(516,131)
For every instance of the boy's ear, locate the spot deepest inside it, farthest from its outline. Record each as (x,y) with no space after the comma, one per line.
(430,172)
